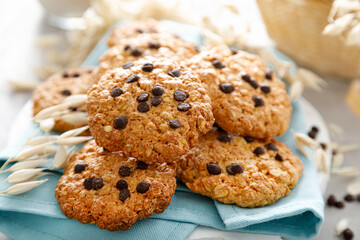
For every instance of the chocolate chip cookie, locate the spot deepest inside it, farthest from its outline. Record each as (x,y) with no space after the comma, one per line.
(247,97)
(152,109)
(239,170)
(59,86)
(111,190)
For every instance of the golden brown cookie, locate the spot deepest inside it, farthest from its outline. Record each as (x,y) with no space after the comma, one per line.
(241,171)
(153,110)
(59,86)
(247,98)
(111,190)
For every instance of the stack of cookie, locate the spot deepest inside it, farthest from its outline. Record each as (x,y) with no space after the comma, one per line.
(152,105)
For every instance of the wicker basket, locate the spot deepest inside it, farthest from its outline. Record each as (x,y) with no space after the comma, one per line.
(296,26)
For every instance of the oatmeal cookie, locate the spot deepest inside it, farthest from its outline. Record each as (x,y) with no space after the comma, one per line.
(238,170)
(111,190)
(153,110)
(247,98)
(59,86)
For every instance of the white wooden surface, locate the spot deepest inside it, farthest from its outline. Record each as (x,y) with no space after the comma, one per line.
(21,22)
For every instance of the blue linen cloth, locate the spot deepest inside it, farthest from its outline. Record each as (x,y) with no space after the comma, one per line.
(36,214)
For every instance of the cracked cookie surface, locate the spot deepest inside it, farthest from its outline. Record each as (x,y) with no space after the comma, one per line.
(111,190)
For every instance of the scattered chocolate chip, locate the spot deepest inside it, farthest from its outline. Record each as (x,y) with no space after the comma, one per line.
(225,138)
(79,167)
(73,109)
(120,122)
(116,91)
(140,30)
(226,87)
(271,147)
(278,157)
(347,234)
(253,83)
(323,146)
(234,169)
(157,90)
(127,65)
(65,75)
(124,171)
(97,183)
(143,107)
(66,92)
(249,139)
(312,134)
(105,150)
(259,151)
(213,168)
(234,50)
(127,47)
(268,74)
(121,184)
(142,97)
(349,198)
(173,123)
(265,88)
(315,129)
(358,198)
(180,96)
(124,194)
(136,52)
(154,44)
(174,73)
(142,187)
(141,165)
(76,75)
(183,107)
(88,183)
(147,67)
(155,101)
(245,76)
(331,201)
(132,78)
(258,101)
(217,64)
(339,205)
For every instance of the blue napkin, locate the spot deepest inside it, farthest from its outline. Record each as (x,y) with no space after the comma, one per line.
(36,214)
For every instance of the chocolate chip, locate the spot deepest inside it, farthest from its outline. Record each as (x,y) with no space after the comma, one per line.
(127,65)
(268,74)
(173,123)
(105,150)
(66,92)
(217,64)
(140,30)
(136,52)
(142,165)
(258,101)
(116,91)
(225,138)
(155,101)
(124,171)
(226,87)
(174,73)
(180,96)
(278,157)
(213,168)
(183,107)
(271,147)
(154,44)
(349,198)
(331,200)
(142,97)
(265,89)
(253,83)
(249,139)
(65,75)
(234,51)
(157,90)
(88,183)
(76,75)
(339,205)
(132,78)
(127,47)
(142,187)
(143,107)
(97,183)
(347,234)
(147,67)
(323,146)
(245,76)
(73,109)
(121,184)
(120,122)
(234,169)
(79,167)
(312,134)
(259,151)
(315,129)
(124,194)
